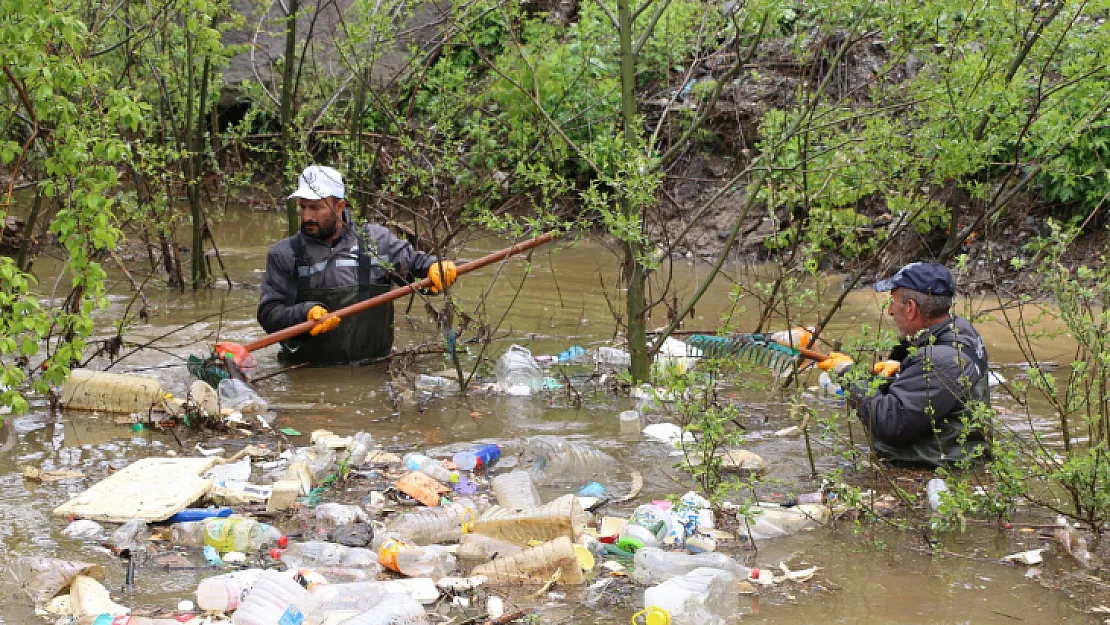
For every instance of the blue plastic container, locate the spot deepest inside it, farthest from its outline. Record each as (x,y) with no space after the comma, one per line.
(479,456)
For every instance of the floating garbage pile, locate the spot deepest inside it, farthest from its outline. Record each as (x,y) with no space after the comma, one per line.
(435,537)
(459,534)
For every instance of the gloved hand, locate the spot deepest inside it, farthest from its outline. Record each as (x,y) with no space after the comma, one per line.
(330,321)
(886,368)
(447,279)
(794,337)
(836,362)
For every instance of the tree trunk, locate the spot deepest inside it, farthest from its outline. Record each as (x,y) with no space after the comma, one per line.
(23,260)
(200,269)
(289,177)
(634,271)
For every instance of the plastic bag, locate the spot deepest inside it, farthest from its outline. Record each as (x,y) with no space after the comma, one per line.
(517,372)
(238,395)
(42,578)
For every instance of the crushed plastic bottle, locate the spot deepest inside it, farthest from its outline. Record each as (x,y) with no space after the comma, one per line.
(516,490)
(316,554)
(562,517)
(571,354)
(411,560)
(703,596)
(557,460)
(534,565)
(653,566)
(332,515)
(444,524)
(436,385)
(84,529)
(478,549)
(771,521)
(477,457)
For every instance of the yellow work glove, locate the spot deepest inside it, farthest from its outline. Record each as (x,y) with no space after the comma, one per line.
(330,321)
(447,279)
(886,368)
(836,362)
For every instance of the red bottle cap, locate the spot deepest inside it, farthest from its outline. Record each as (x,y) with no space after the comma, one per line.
(275,554)
(283,542)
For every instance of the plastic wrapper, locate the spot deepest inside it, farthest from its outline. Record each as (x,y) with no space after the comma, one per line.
(238,395)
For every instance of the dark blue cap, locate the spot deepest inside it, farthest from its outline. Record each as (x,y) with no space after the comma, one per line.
(928,278)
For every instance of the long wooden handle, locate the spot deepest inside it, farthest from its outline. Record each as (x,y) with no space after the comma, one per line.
(347,311)
(812,355)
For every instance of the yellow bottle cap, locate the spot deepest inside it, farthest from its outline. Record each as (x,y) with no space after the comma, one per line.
(585,558)
(653,615)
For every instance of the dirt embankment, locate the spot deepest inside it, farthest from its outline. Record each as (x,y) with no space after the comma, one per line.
(774,80)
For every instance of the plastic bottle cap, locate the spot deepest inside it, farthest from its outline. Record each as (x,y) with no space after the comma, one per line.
(585,558)
(653,615)
(283,542)
(276,553)
(629,543)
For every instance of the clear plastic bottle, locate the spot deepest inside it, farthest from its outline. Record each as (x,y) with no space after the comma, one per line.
(562,517)
(443,524)
(356,597)
(647,527)
(775,521)
(275,598)
(414,561)
(331,515)
(314,554)
(272,536)
(555,459)
(122,619)
(703,596)
(129,535)
(400,610)
(225,593)
(436,385)
(361,446)
(534,565)
(430,467)
(189,534)
(516,490)
(476,549)
(653,566)
(244,535)
(320,459)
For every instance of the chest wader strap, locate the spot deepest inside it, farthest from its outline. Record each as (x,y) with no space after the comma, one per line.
(300,260)
(364,263)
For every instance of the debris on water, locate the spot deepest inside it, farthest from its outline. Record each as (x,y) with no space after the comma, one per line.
(790,431)
(1028,558)
(36,474)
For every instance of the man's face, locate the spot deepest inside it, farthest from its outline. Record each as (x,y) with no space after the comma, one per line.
(905,314)
(320,219)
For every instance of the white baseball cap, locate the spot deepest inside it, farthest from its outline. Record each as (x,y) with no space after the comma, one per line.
(317,182)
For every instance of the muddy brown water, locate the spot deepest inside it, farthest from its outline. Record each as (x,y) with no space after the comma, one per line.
(868,575)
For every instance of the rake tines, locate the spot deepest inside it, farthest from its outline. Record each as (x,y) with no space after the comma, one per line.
(756,348)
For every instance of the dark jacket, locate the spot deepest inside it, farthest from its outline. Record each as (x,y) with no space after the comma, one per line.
(916,416)
(394,261)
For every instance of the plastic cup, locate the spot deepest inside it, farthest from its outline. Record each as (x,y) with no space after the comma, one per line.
(479,456)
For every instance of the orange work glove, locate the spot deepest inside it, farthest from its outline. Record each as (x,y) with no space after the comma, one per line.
(886,368)
(836,362)
(328,323)
(439,282)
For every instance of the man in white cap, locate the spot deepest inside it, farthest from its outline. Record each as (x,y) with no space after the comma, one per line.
(332,263)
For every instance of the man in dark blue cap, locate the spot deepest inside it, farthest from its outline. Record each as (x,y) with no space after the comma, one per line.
(918,411)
